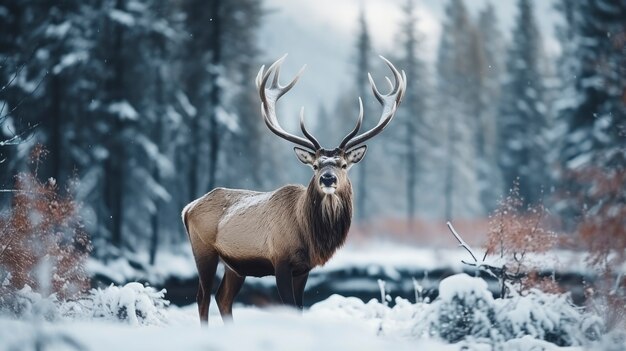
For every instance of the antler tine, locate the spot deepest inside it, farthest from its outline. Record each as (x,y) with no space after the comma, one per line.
(306,132)
(396,75)
(279,63)
(270,95)
(356,129)
(403,87)
(259,77)
(390,103)
(377,93)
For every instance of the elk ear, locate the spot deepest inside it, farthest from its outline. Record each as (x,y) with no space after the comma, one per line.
(305,156)
(355,155)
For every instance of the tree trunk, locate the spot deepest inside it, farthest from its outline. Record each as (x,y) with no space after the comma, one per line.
(156,172)
(411,180)
(55,143)
(114,167)
(449,176)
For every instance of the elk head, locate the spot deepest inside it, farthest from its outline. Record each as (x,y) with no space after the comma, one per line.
(330,166)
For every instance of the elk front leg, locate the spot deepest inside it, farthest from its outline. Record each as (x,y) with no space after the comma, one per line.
(299,283)
(284,283)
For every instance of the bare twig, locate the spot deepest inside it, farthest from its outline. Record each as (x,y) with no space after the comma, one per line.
(27,96)
(15,191)
(462,243)
(499,273)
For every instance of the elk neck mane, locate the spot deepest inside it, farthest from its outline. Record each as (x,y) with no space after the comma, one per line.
(327,219)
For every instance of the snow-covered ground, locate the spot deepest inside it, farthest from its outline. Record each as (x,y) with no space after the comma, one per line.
(464,317)
(320,328)
(378,257)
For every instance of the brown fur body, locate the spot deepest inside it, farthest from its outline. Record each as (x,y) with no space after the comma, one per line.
(293,223)
(255,233)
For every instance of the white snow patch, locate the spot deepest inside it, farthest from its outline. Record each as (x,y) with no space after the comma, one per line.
(228,120)
(186,105)
(245,203)
(58,30)
(122,17)
(69,60)
(460,285)
(172,263)
(124,110)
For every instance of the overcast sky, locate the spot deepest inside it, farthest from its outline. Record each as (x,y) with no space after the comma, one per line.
(322,33)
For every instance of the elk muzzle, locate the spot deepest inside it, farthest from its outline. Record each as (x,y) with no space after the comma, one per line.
(328,182)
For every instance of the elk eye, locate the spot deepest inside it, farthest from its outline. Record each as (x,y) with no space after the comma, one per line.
(344,166)
(315,167)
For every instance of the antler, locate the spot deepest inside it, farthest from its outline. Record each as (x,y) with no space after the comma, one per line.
(270,95)
(389,102)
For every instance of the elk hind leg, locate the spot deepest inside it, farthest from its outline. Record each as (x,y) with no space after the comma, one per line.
(207,265)
(228,289)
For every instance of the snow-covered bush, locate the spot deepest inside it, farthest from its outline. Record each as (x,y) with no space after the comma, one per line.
(133,303)
(465,308)
(26,303)
(465,311)
(548,317)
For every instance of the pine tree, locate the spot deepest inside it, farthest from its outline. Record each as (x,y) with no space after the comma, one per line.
(247,149)
(364,50)
(591,114)
(593,73)
(491,43)
(524,117)
(412,118)
(48,51)
(458,66)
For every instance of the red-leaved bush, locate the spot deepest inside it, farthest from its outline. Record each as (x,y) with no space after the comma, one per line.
(602,233)
(42,242)
(516,233)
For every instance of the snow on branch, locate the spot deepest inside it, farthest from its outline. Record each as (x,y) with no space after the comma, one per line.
(494,271)
(462,243)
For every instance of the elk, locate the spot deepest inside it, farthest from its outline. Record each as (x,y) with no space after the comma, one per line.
(289,231)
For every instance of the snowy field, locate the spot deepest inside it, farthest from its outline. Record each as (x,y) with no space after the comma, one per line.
(321,327)
(464,317)
(255,329)
(386,258)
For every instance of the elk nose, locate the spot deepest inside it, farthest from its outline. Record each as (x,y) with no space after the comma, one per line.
(328,179)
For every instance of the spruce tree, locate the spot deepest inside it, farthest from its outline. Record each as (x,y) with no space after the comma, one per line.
(594,76)
(364,51)
(412,119)
(457,64)
(491,44)
(523,119)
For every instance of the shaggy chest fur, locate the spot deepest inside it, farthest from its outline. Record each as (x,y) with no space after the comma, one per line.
(328,220)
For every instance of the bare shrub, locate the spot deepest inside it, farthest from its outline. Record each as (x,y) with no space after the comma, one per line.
(42,242)
(517,235)
(516,232)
